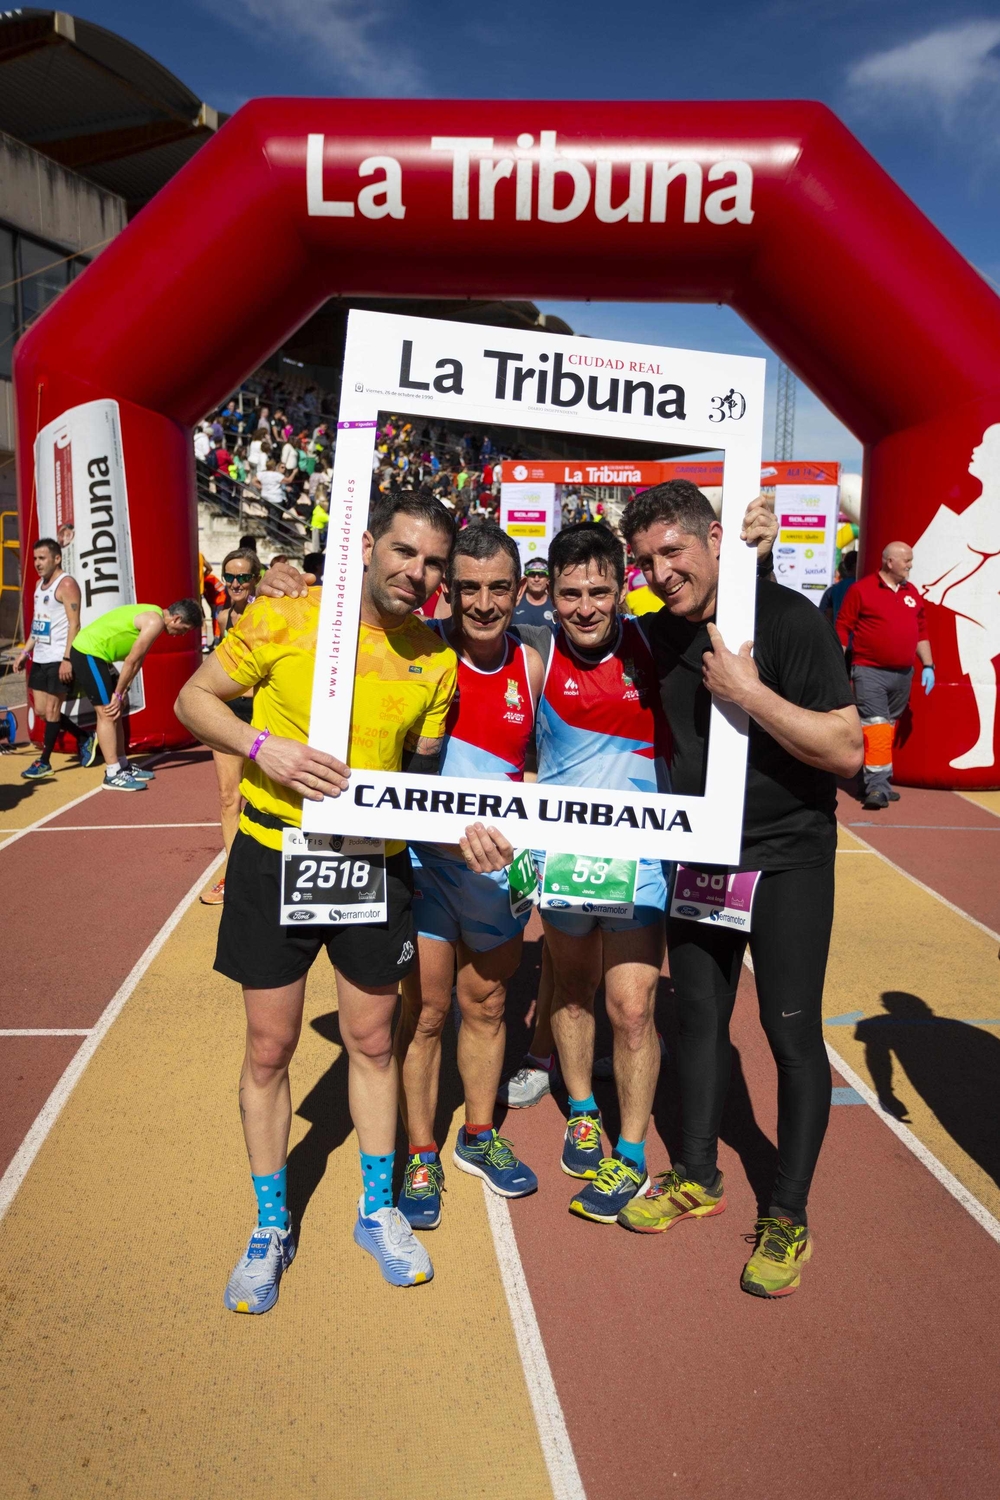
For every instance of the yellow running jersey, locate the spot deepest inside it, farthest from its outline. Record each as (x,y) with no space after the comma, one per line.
(642,601)
(403,685)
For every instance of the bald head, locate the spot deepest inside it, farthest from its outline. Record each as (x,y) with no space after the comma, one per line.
(897,560)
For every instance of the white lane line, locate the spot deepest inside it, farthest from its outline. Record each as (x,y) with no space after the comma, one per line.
(45,1030)
(19,833)
(913,1142)
(959,912)
(557,1449)
(53,1106)
(115,827)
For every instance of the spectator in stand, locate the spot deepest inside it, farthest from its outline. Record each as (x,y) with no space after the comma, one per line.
(883,622)
(272,483)
(202,443)
(834,596)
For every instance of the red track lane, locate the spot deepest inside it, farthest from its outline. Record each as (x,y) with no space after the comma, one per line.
(109,893)
(962,862)
(870,1380)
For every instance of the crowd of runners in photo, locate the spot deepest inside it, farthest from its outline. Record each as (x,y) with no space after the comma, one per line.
(590,694)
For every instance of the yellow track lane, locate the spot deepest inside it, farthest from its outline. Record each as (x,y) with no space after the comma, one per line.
(23,803)
(989,800)
(123,1375)
(889,935)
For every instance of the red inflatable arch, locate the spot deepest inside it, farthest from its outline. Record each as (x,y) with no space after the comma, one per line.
(773,208)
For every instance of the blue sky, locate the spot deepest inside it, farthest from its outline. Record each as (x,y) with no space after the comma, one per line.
(919,83)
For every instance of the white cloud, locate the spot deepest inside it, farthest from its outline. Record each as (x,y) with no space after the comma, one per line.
(339,37)
(951,71)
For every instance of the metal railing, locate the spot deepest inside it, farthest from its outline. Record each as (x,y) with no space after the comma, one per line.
(243,504)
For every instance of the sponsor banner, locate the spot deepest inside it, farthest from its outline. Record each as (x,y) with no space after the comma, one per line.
(83,503)
(460,372)
(807,536)
(643,474)
(528,513)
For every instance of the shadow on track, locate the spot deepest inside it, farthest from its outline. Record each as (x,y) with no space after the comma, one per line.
(953,1066)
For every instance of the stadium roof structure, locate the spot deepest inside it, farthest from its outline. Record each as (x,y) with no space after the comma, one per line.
(97,104)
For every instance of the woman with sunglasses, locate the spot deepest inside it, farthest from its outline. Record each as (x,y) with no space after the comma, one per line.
(241,571)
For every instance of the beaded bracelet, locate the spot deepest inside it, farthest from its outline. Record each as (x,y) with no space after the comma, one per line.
(255,747)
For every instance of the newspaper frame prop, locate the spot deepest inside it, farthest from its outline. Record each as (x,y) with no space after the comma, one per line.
(468,372)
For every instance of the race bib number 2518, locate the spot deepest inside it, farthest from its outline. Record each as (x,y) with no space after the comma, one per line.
(328,880)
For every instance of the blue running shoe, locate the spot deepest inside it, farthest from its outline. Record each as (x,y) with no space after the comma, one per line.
(581,1153)
(140,773)
(617,1182)
(387,1236)
(39,770)
(420,1195)
(490,1157)
(88,750)
(122,781)
(253,1286)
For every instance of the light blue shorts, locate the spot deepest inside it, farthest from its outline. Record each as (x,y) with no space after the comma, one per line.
(651,891)
(450,902)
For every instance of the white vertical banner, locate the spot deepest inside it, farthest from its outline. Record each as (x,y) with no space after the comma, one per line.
(527,513)
(83,503)
(807,536)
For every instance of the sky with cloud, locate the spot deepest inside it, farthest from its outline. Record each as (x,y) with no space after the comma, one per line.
(918,82)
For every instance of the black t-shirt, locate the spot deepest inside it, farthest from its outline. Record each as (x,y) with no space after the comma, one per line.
(788,817)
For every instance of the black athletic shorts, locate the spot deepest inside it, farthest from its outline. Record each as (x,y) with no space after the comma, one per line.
(260,954)
(96,676)
(44,678)
(242,708)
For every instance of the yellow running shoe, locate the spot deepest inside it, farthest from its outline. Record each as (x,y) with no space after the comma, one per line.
(775,1267)
(671,1199)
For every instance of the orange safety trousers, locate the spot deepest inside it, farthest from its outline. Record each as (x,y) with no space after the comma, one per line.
(878,736)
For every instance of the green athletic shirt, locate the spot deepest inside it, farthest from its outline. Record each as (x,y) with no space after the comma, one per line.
(111,637)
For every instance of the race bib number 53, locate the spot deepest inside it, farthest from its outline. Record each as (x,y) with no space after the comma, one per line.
(329,880)
(604,887)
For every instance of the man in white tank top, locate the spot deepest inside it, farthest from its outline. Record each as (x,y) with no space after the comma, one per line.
(54,625)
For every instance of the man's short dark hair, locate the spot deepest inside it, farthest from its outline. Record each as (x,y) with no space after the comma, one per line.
(189,610)
(419,503)
(51,543)
(849,561)
(313,563)
(248,543)
(678,502)
(482,540)
(575,546)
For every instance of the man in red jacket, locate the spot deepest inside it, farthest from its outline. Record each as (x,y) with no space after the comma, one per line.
(882,619)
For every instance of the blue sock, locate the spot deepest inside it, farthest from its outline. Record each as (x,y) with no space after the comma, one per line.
(376,1174)
(586,1106)
(633,1151)
(272,1199)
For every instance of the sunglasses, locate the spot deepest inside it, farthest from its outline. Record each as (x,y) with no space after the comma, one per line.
(237,578)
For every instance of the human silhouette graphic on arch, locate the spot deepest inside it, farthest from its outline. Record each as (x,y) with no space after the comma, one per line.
(952,1066)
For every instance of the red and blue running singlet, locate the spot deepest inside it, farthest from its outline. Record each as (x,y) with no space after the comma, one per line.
(601,723)
(490,720)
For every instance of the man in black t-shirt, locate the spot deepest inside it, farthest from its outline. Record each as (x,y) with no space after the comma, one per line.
(804,732)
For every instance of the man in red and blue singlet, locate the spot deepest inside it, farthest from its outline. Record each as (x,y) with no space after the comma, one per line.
(467,934)
(600,724)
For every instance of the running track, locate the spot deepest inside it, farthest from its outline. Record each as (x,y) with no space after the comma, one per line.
(549,1355)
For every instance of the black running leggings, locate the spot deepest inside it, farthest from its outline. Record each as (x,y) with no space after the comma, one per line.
(789,942)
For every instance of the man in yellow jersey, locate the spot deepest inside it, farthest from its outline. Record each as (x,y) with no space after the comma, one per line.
(404,683)
(124,634)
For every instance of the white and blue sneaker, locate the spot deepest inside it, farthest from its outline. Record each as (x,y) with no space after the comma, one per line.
(387,1236)
(253,1286)
(490,1157)
(122,781)
(140,773)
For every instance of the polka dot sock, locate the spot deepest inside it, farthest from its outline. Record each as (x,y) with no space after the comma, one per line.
(272,1199)
(376,1174)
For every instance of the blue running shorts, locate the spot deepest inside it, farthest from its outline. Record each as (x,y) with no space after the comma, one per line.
(450,902)
(651,892)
